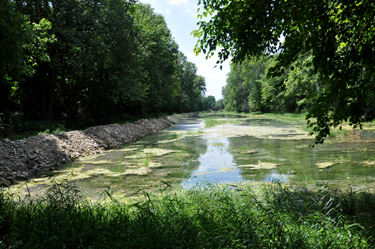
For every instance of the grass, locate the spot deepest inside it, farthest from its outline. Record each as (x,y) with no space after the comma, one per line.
(243,216)
(211,122)
(297,119)
(291,118)
(339,159)
(337,132)
(194,133)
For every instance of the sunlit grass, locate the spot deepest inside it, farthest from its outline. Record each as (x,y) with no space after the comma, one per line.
(291,118)
(219,216)
(211,122)
(339,132)
(194,133)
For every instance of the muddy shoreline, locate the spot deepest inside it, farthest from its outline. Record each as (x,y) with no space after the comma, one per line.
(22,159)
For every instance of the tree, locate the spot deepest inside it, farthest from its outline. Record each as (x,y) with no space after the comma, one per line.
(159,60)
(338,34)
(252,72)
(13,32)
(192,86)
(211,101)
(219,103)
(95,60)
(235,93)
(90,60)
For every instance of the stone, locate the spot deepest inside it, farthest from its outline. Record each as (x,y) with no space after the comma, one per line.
(31,156)
(5,182)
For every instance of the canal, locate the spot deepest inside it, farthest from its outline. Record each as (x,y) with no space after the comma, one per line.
(236,149)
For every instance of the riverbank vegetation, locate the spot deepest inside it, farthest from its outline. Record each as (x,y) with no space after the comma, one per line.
(74,64)
(225,216)
(212,121)
(307,57)
(249,90)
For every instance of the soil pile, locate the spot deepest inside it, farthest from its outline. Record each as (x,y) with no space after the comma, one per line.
(35,155)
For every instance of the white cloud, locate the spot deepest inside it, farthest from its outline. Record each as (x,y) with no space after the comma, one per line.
(176,2)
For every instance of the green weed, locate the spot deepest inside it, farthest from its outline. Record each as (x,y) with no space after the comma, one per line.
(211,122)
(207,216)
(337,132)
(194,133)
(338,159)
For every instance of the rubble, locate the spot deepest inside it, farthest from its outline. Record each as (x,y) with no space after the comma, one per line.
(21,159)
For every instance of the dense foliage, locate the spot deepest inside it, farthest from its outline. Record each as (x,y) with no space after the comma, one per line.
(339,35)
(249,89)
(91,60)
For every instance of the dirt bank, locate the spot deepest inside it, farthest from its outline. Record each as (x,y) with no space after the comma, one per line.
(21,159)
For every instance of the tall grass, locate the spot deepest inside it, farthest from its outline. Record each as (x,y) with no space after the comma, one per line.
(269,216)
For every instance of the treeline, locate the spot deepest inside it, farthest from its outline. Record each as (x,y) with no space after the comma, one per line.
(249,89)
(91,60)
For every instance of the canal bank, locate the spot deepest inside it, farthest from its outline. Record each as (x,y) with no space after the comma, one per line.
(22,159)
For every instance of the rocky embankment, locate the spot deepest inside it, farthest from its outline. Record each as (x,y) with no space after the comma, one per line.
(21,159)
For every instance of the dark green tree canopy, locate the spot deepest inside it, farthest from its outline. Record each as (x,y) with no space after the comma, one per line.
(211,101)
(338,34)
(91,60)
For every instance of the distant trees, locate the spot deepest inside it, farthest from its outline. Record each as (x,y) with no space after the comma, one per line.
(219,103)
(91,60)
(249,89)
(338,35)
(211,101)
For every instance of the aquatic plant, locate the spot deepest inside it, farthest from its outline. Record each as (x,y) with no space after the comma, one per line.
(194,133)
(214,121)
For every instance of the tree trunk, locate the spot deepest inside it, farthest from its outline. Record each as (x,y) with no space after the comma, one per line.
(37,10)
(50,97)
(44,109)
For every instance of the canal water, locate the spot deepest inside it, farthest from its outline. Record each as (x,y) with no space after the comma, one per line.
(239,149)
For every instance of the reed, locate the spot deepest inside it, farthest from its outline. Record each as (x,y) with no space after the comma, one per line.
(206,216)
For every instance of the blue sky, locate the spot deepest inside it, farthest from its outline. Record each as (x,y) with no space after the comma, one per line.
(181,18)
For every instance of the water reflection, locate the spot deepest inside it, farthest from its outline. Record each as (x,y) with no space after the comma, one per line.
(189,124)
(276,156)
(216,165)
